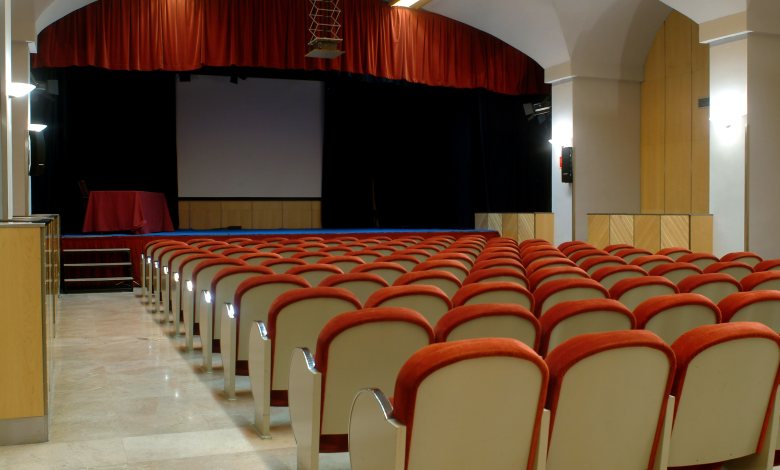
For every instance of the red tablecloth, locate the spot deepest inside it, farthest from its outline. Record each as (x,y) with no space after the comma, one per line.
(127,211)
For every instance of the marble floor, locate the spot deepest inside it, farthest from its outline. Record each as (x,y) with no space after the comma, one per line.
(128,396)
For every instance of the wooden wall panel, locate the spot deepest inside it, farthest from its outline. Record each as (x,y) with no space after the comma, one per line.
(544,225)
(184,215)
(598,230)
(509,226)
(700,126)
(675,231)
(647,232)
(701,233)
(495,222)
(21,324)
(205,215)
(316,214)
(296,214)
(526,227)
(266,214)
(236,214)
(621,229)
(480,220)
(653,105)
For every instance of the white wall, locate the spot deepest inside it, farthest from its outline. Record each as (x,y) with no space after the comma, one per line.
(257,138)
(562,96)
(728,95)
(606,136)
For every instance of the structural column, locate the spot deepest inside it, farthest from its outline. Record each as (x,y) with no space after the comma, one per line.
(6,159)
(23,34)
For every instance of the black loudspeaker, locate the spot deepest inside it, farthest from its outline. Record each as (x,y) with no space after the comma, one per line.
(37,153)
(567,170)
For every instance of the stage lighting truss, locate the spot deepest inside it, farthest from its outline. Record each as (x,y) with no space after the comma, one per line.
(325,28)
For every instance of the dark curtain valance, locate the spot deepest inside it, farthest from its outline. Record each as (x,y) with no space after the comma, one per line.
(182,35)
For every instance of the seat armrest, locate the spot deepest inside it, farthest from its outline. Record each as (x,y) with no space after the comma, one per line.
(227,348)
(260,377)
(305,402)
(662,446)
(376,440)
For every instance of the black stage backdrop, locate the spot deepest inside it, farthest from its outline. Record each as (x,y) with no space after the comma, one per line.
(395,155)
(408,156)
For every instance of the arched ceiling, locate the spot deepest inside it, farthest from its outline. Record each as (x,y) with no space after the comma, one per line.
(595,38)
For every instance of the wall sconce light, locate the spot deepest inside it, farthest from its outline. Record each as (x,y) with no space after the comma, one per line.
(19,89)
(36,127)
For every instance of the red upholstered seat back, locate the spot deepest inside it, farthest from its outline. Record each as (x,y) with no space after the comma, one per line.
(494,292)
(579,288)
(463,315)
(761,280)
(617,317)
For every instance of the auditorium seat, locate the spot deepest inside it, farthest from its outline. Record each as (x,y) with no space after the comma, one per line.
(528,249)
(543,254)
(253,298)
(220,249)
(237,252)
(419,255)
(496,275)
(156,269)
(360,284)
(455,407)
(354,351)
(223,286)
(202,275)
(674,252)
(594,263)
(615,247)
(499,263)
(633,291)
(762,280)
(548,263)
(337,250)
(176,285)
(237,240)
(388,250)
(500,251)
(533,242)
(367,255)
(454,267)
(568,248)
(163,289)
(494,293)
(408,262)
(147,284)
(268,247)
(562,290)
(669,316)
(454,256)
(747,257)
(541,276)
(648,262)
(735,269)
(702,260)
(295,319)
(762,306)
(310,257)
(257,259)
(489,321)
(313,247)
(566,320)
(725,389)
(314,273)
(630,254)
(430,249)
(714,286)
(768,265)
(216,246)
(676,271)
(387,270)
(187,287)
(608,276)
(282,265)
(447,282)
(608,399)
(428,301)
(345,262)
(581,255)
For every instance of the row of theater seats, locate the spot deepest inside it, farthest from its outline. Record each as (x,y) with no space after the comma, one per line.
(282,312)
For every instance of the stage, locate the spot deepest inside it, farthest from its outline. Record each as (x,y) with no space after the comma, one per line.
(136,243)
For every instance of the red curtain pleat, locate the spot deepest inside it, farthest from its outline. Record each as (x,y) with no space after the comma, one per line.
(182,35)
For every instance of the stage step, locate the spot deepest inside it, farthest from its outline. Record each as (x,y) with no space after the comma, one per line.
(96,270)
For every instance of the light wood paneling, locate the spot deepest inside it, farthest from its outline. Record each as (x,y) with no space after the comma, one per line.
(509,225)
(701,233)
(647,232)
(296,214)
(598,230)
(316,214)
(544,226)
(653,105)
(267,214)
(184,215)
(675,231)
(526,227)
(480,221)
(205,215)
(495,222)
(21,324)
(677,131)
(621,229)
(236,214)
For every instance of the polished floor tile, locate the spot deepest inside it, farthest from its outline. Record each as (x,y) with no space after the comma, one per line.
(126,395)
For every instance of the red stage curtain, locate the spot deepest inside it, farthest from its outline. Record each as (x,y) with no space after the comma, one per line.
(183,35)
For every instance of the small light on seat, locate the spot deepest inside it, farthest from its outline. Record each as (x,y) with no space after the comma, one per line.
(230,312)
(189,286)
(175,277)
(207,296)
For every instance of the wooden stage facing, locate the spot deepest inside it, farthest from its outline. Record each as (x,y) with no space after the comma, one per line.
(136,243)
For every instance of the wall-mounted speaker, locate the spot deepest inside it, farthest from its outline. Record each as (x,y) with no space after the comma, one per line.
(567,168)
(36,153)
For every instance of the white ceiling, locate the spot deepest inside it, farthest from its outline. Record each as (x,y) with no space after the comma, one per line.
(597,38)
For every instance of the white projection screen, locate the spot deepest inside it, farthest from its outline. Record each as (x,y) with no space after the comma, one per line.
(258,138)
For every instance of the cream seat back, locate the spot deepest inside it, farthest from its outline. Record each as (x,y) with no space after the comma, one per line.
(669,316)
(202,276)
(447,282)
(360,284)
(314,273)
(562,290)
(566,320)
(497,275)
(632,292)
(676,271)
(489,321)
(445,395)
(429,301)
(389,271)
(753,306)
(494,293)
(608,276)
(714,286)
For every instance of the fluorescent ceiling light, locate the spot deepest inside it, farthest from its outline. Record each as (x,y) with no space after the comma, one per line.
(404,3)
(18,89)
(36,127)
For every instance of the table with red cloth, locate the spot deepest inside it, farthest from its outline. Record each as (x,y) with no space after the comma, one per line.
(127,211)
